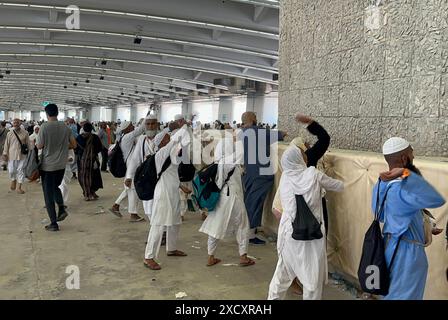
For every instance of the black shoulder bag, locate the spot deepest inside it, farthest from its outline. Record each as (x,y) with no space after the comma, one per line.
(23,146)
(305,225)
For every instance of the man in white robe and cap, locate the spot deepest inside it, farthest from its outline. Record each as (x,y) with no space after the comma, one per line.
(127,140)
(166,203)
(306,260)
(230,216)
(145,147)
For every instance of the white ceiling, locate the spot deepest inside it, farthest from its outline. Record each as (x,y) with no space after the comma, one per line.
(185,43)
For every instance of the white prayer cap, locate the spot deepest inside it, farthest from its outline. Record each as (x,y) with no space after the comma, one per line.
(124,125)
(394,145)
(299,143)
(151,117)
(178,117)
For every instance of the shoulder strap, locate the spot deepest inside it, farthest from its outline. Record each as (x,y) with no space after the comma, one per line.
(17,136)
(165,166)
(130,152)
(143,148)
(381,207)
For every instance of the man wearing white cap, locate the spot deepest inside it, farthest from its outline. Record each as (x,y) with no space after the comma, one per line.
(127,142)
(406,195)
(144,148)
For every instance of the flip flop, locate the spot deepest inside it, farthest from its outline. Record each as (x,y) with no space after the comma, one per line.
(248,263)
(176,253)
(216,261)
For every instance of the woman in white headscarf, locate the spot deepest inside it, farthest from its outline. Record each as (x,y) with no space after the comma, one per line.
(306,260)
(34,136)
(230,216)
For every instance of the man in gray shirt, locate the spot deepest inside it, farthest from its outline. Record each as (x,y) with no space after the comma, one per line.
(54,139)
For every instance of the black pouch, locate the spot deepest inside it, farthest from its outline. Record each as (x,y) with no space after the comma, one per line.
(305,225)
(23,146)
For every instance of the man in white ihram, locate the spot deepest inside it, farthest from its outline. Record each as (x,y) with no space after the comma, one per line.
(144,148)
(166,204)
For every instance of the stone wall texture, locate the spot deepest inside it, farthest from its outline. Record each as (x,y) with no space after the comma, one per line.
(366,81)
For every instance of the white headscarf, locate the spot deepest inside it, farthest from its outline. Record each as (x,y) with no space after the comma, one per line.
(124,125)
(159,137)
(300,178)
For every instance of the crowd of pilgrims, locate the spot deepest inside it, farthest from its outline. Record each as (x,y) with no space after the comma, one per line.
(243,190)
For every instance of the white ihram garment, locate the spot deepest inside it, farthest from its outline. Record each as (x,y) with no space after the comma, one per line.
(166,204)
(16,170)
(229,216)
(127,144)
(67,176)
(306,260)
(144,147)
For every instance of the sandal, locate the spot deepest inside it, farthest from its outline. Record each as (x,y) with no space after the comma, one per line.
(176,253)
(152,266)
(248,263)
(140,219)
(215,261)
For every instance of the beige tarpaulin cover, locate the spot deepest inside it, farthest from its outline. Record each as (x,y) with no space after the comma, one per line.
(350,214)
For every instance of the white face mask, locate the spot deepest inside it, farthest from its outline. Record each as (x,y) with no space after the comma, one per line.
(151,133)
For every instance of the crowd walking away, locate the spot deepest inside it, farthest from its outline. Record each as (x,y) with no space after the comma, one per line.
(224,172)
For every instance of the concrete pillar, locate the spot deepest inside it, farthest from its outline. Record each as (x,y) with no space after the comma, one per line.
(134,113)
(114,113)
(225,113)
(35,115)
(184,107)
(88,113)
(255,103)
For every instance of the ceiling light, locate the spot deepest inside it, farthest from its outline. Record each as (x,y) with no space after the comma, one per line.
(103,62)
(137,40)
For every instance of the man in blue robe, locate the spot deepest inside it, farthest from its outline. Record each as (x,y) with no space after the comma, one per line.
(407,195)
(259,175)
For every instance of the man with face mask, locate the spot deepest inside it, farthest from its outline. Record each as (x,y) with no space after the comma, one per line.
(144,148)
(407,194)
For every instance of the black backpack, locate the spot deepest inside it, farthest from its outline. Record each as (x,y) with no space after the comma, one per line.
(186,171)
(146,177)
(373,258)
(117,165)
(305,225)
